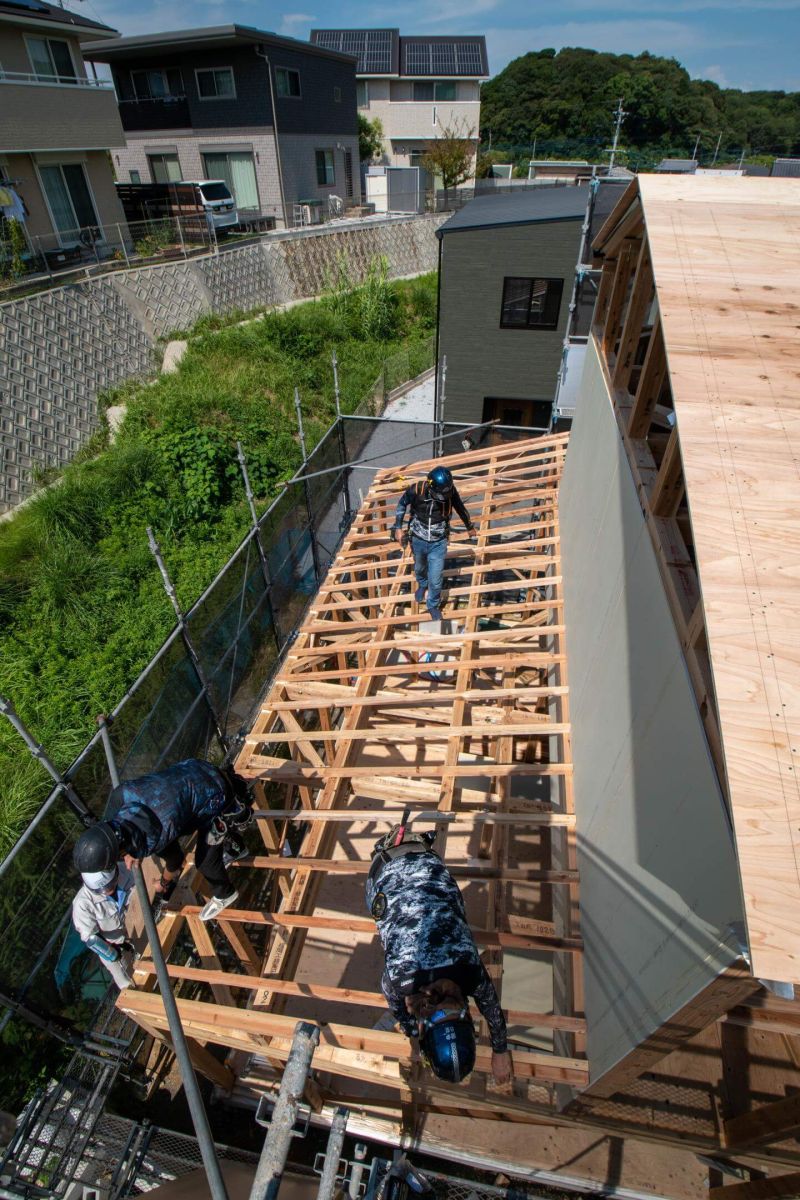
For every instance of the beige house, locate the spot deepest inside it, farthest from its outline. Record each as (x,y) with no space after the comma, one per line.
(57,125)
(417,87)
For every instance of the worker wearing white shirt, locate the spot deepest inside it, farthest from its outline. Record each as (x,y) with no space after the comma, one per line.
(98,914)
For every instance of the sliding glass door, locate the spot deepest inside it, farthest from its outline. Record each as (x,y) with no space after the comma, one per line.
(239,172)
(67,191)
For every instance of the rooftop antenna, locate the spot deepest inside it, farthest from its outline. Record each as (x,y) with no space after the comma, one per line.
(620,115)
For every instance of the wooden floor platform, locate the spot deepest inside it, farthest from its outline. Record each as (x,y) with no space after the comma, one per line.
(373,709)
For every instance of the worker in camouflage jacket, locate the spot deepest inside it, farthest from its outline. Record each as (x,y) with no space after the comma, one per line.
(151,813)
(432,964)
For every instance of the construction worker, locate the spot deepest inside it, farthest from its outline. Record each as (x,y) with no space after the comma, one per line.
(431,502)
(153,812)
(98,914)
(432,964)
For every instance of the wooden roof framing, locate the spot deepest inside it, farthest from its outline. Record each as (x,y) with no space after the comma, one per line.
(705,386)
(353,730)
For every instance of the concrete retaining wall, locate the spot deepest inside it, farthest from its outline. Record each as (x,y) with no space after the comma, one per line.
(59,349)
(659,880)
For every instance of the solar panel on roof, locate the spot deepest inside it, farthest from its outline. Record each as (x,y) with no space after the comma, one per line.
(372,47)
(470,59)
(443,58)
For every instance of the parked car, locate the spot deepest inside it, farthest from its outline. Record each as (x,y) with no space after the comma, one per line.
(188,199)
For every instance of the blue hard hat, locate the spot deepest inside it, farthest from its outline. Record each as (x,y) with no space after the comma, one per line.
(448,1042)
(441,481)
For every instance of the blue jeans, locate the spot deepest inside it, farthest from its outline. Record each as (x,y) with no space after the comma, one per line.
(429,567)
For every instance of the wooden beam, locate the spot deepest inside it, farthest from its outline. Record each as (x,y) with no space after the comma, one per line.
(335,866)
(651,381)
(774,1187)
(376,816)
(638,307)
(669,487)
(770,1123)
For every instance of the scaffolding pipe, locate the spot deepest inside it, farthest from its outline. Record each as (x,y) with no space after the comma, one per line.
(311,524)
(202,1129)
(169,588)
(248,491)
(38,752)
(327,1183)
(279,1135)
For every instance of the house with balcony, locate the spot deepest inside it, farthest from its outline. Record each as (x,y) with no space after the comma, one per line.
(58,125)
(418,87)
(274,117)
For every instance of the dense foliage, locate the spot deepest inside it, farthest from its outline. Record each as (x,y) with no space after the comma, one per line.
(567,99)
(82,608)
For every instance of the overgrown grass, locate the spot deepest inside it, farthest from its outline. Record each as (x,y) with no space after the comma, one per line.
(82,608)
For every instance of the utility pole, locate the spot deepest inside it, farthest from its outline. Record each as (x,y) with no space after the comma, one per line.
(716,152)
(620,115)
(696,144)
(741,159)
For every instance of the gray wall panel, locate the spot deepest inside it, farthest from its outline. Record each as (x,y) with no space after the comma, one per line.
(659,879)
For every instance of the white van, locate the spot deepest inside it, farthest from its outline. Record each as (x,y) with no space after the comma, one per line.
(215,197)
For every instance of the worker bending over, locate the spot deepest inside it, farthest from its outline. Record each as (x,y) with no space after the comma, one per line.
(431,502)
(156,810)
(98,914)
(431,961)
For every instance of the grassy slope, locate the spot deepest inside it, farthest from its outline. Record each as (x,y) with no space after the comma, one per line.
(82,607)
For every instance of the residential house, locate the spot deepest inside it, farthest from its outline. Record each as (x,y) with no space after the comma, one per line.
(507,265)
(57,126)
(273,117)
(418,87)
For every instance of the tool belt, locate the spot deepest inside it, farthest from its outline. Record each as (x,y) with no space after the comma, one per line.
(415,844)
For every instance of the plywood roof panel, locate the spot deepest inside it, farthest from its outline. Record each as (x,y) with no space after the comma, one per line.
(726,260)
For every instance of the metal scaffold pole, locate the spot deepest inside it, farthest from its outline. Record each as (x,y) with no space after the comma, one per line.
(169,588)
(340,431)
(327,1183)
(279,1135)
(38,752)
(248,491)
(190,1085)
(311,526)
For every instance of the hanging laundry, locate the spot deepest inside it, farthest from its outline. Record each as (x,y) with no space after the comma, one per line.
(14,208)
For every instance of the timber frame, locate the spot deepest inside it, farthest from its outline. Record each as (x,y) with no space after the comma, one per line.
(373,710)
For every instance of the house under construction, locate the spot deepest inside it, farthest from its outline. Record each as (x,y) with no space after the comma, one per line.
(603,729)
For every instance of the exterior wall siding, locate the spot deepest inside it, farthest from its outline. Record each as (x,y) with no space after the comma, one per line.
(482,359)
(414,120)
(660,891)
(298,157)
(55,116)
(64,346)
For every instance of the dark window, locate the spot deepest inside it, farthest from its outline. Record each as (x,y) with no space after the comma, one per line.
(288,82)
(444,90)
(530,303)
(362,93)
(215,83)
(337,95)
(136,177)
(423,89)
(157,84)
(348,174)
(325,168)
(51,59)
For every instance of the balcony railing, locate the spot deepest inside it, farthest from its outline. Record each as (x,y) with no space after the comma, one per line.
(79,81)
(164,112)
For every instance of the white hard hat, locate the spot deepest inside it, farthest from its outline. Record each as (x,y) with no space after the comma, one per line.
(97,880)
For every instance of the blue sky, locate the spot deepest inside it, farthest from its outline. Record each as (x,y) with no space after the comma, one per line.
(737,43)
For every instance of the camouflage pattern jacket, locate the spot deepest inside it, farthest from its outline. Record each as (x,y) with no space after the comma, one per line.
(425,937)
(150,812)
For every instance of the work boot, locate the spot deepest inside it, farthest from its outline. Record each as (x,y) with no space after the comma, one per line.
(215,906)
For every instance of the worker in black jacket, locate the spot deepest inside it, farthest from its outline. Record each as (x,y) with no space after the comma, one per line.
(432,964)
(431,502)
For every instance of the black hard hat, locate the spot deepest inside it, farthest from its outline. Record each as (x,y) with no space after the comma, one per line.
(448,1043)
(97,849)
(441,482)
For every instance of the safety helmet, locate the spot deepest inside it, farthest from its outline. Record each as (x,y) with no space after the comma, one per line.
(447,1040)
(440,481)
(97,849)
(99,881)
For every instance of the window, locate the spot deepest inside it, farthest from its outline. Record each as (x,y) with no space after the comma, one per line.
(165,168)
(215,83)
(348,173)
(157,85)
(362,93)
(337,95)
(238,171)
(434,89)
(287,82)
(530,303)
(325,168)
(51,59)
(136,176)
(68,197)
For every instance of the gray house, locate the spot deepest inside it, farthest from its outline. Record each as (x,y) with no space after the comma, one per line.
(274,117)
(506,274)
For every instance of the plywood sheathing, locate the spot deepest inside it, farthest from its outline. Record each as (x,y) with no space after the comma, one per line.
(725,260)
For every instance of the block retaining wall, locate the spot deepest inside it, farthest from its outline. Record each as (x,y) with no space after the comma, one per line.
(60,349)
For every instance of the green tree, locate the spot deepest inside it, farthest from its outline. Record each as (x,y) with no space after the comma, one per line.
(370,138)
(451,155)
